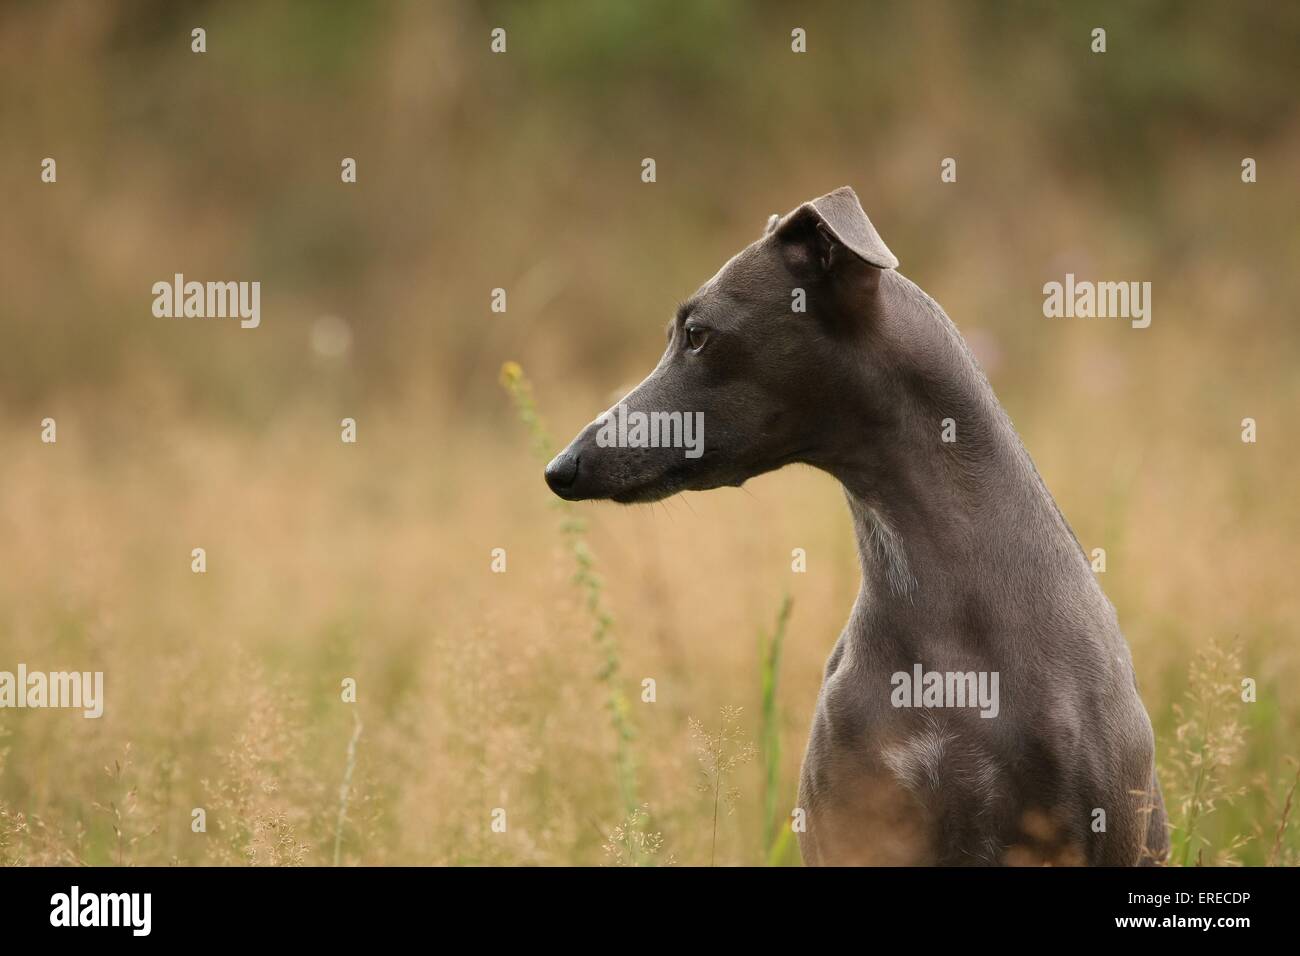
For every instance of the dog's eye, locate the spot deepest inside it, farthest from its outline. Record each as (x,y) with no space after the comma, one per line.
(696,336)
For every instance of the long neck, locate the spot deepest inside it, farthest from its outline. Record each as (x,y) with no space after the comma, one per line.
(951,516)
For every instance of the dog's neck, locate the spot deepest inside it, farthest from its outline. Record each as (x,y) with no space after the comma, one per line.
(946,512)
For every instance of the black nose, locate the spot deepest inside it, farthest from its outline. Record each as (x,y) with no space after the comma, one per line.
(561,471)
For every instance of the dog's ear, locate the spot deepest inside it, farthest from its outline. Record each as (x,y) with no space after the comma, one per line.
(825,229)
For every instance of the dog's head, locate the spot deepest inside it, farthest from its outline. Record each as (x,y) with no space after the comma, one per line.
(758,362)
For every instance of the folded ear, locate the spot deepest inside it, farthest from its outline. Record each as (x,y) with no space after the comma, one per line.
(836,221)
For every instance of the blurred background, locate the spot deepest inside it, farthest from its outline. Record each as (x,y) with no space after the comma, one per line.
(523,690)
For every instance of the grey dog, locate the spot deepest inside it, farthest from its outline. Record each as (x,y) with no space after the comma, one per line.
(808,347)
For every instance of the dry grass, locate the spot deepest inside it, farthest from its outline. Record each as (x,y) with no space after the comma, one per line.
(482,690)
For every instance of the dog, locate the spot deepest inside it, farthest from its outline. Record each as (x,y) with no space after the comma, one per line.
(808,347)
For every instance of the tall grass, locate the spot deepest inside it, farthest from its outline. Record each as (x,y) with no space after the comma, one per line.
(451,729)
(345,788)
(631,844)
(574,532)
(720,752)
(1278,853)
(1209,738)
(775,839)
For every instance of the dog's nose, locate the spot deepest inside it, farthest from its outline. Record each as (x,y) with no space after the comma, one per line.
(561,471)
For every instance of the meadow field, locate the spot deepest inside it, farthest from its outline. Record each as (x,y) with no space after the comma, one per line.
(477,690)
